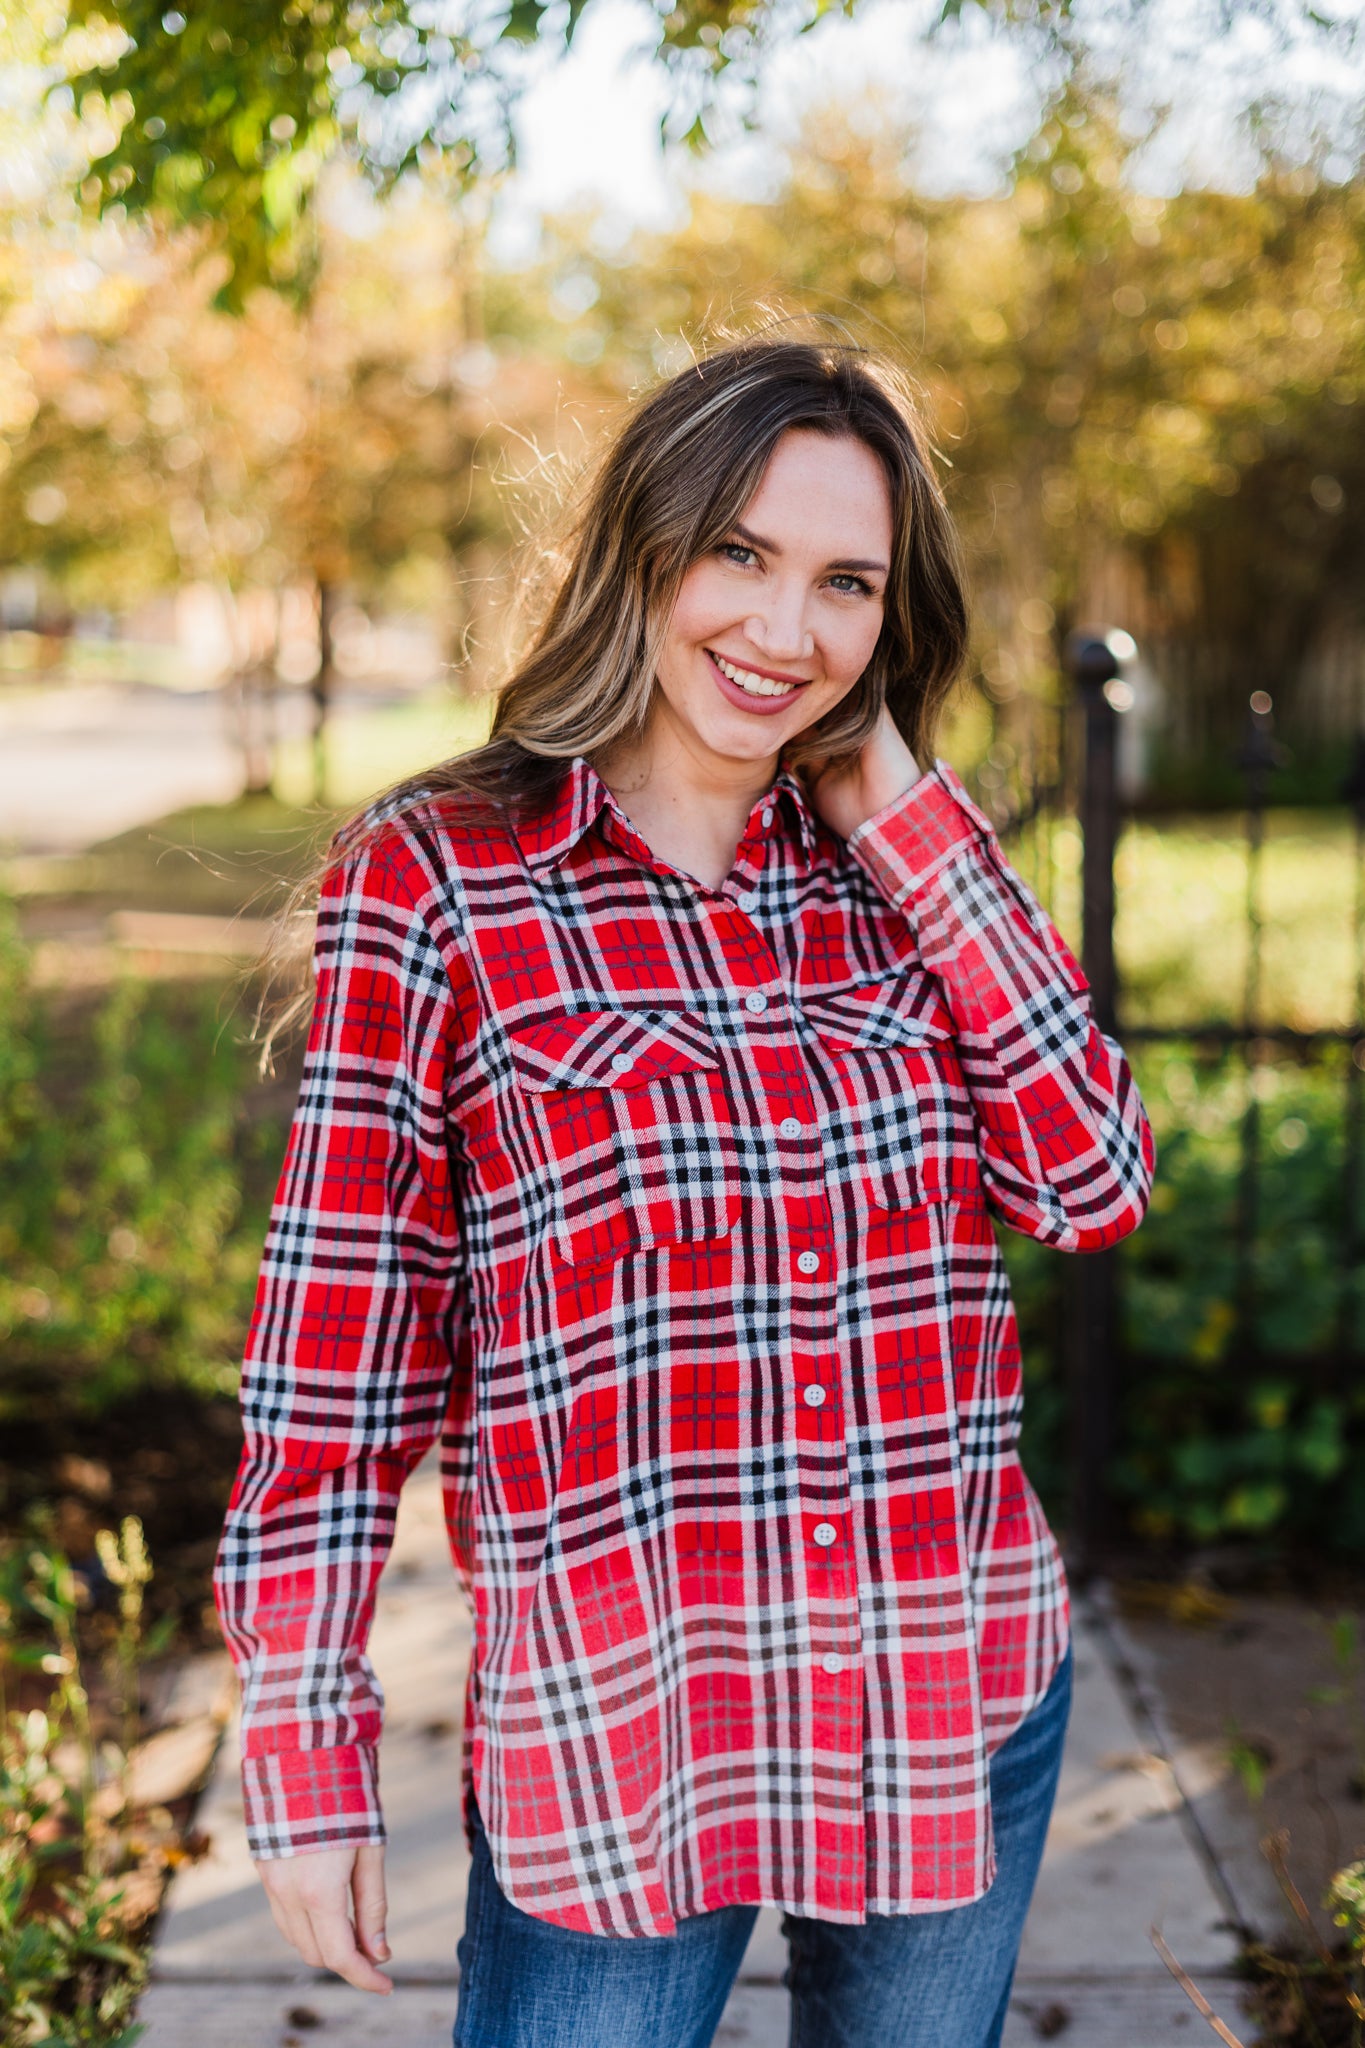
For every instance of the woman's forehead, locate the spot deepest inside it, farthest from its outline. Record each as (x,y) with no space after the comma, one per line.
(822,491)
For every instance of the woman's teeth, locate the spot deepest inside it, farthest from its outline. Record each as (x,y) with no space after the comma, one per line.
(756,686)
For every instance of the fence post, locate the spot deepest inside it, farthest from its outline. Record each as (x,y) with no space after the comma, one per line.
(1092,1333)
(1353,1175)
(322,684)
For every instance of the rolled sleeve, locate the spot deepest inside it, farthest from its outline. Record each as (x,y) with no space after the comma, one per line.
(349,1364)
(1064,1145)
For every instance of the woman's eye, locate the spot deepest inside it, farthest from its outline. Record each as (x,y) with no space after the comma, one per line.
(735,551)
(853,586)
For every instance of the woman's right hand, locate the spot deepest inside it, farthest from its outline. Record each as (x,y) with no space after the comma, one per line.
(330,1905)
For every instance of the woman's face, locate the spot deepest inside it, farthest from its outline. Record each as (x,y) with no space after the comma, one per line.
(776,624)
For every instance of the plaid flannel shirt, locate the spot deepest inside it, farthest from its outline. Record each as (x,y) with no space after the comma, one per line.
(668,1209)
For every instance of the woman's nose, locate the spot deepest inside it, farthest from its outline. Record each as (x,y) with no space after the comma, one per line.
(780,629)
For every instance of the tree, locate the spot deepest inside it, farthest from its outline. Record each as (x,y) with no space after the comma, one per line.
(225,112)
(1148,407)
(230,111)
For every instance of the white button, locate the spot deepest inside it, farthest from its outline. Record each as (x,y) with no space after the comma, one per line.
(831,1666)
(756,1003)
(814,1397)
(809,1262)
(749,900)
(622,1061)
(825,1533)
(790,1127)
(767,814)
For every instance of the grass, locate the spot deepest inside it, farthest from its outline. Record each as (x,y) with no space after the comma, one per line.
(369,748)
(1181,934)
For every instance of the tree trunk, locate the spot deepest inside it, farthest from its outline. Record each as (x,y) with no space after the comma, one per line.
(322,686)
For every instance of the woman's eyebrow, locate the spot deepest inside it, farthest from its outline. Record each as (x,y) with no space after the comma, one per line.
(755,540)
(770,547)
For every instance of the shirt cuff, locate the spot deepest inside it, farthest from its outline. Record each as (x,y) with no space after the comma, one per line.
(301,1799)
(904,846)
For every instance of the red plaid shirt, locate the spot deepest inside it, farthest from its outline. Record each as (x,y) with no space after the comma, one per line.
(669,1209)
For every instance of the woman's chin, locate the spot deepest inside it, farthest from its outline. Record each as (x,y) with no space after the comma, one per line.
(742,736)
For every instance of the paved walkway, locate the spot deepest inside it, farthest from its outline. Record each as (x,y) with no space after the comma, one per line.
(81,763)
(1123,1854)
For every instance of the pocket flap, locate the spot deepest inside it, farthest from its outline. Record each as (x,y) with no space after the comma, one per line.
(884,1015)
(610,1049)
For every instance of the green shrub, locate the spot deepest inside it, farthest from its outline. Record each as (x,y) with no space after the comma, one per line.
(1235,1421)
(132,1190)
(81,1866)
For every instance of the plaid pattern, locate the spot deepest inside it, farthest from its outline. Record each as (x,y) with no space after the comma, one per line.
(669,1211)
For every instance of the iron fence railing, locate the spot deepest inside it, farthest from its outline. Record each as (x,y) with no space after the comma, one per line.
(1069,770)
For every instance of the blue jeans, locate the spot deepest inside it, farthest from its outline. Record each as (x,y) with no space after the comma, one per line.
(921,1980)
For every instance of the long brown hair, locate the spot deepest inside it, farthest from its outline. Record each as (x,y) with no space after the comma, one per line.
(671,483)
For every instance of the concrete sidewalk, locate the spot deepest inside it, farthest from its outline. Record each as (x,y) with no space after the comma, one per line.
(1123,1854)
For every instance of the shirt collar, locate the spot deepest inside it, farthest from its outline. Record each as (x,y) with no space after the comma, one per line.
(793,790)
(547,837)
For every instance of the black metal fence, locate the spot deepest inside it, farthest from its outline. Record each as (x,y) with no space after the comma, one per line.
(1062,764)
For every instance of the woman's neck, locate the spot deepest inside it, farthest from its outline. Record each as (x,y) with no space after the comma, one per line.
(690,811)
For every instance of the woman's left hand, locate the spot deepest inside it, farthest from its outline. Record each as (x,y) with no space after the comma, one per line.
(885,769)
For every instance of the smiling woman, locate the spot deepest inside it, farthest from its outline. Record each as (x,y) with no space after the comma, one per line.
(679,510)
(669,1058)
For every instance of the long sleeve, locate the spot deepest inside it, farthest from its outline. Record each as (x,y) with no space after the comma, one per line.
(1065,1149)
(349,1361)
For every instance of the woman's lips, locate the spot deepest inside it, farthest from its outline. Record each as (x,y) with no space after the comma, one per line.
(745,699)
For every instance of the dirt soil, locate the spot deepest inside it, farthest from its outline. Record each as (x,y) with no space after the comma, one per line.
(166,1457)
(1273,1685)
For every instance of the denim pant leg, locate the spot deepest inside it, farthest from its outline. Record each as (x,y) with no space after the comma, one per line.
(938,1980)
(527,1983)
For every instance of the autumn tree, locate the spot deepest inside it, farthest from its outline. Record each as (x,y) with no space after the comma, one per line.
(1148,408)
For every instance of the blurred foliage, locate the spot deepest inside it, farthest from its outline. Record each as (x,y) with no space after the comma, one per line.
(152,442)
(1151,406)
(1234,1425)
(128,1238)
(81,1862)
(1148,407)
(1181,934)
(224,115)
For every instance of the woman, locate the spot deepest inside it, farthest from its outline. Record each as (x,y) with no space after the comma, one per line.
(670,1057)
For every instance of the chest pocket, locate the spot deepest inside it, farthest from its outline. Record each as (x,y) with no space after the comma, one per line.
(635,1127)
(900,1126)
